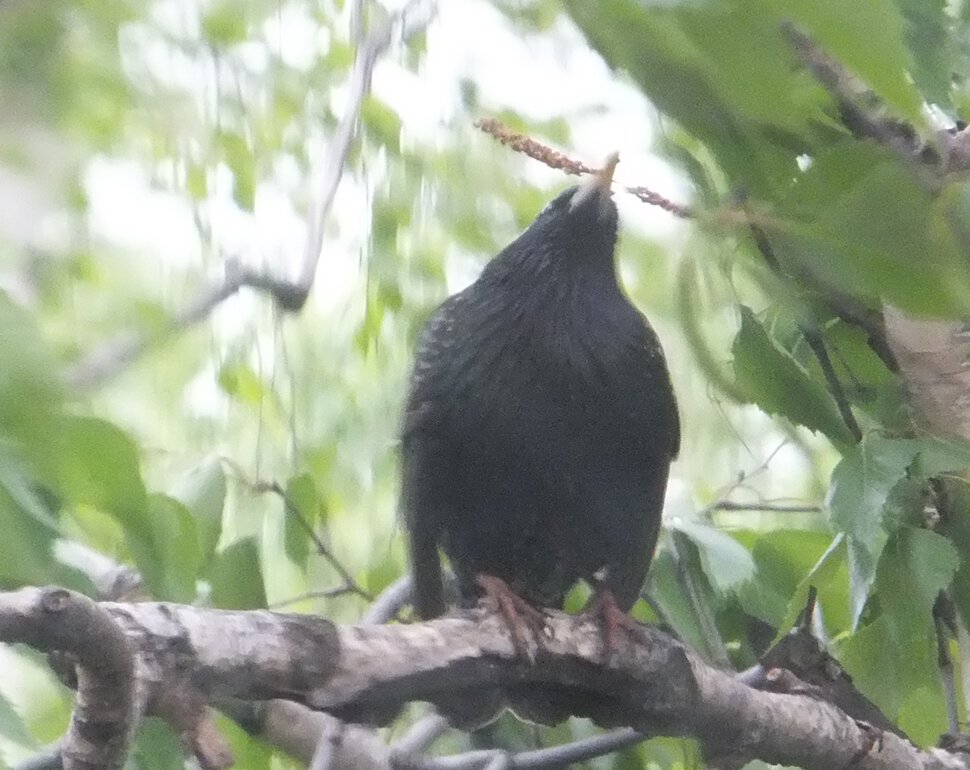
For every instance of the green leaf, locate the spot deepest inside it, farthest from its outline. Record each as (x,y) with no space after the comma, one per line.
(381,122)
(102,470)
(26,551)
(667,589)
(922,715)
(30,394)
(928,31)
(957,528)
(301,519)
(196,181)
(12,726)
(915,566)
(860,487)
(236,577)
(203,492)
(239,381)
(239,157)
(828,577)
(859,216)
(699,73)
(250,754)
(223,24)
(868,655)
(175,554)
(788,561)
(726,562)
(777,383)
(866,37)
(157,747)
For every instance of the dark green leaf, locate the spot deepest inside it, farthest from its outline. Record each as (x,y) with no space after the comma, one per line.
(860,488)
(867,38)
(914,567)
(237,578)
(304,510)
(788,561)
(102,470)
(26,551)
(667,589)
(203,492)
(928,34)
(699,73)
(828,577)
(30,394)
(157,747)
(726,562)
(863,222)
(776,382)
(175,549)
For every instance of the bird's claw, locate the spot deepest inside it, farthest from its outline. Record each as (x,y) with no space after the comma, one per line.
(602,607)
(521,617)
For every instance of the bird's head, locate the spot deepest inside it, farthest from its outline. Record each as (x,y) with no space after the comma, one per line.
(577,228)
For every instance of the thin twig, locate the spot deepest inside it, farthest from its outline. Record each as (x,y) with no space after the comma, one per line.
(327,593)
(557,160)
(861,111)
(808,612)
(730,505)
(656,199)
(814,339)
(817,343)
(389,602)
(418,739)
(539,759)
(378,40)
(351,585)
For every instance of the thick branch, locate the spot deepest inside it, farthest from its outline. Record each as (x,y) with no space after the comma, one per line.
(933,357)
(84,634)
(653,684)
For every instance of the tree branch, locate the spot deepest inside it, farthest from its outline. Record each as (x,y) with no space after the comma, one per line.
(653,683)
(115,355)
(85,635)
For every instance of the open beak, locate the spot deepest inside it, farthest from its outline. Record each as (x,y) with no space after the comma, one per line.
(598,183)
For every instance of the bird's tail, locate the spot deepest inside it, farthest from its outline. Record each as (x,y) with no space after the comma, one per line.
(427,589)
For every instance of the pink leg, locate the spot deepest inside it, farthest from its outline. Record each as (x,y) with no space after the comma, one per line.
(520,616)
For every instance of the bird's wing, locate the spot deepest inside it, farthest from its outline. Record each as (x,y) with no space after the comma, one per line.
(425,457)
(428,375)
(648,381)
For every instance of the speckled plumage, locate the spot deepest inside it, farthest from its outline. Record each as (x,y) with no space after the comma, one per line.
(541,421)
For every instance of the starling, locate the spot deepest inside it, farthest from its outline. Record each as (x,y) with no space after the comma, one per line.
(540,424)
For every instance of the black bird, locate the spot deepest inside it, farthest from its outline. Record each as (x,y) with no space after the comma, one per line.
(540,424)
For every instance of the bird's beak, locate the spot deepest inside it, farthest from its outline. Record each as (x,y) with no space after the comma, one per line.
(598,184)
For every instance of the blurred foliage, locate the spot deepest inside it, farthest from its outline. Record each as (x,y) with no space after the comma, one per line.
(145,142)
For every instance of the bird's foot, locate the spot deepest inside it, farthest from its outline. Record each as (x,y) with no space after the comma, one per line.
(602,607)
(521,617)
